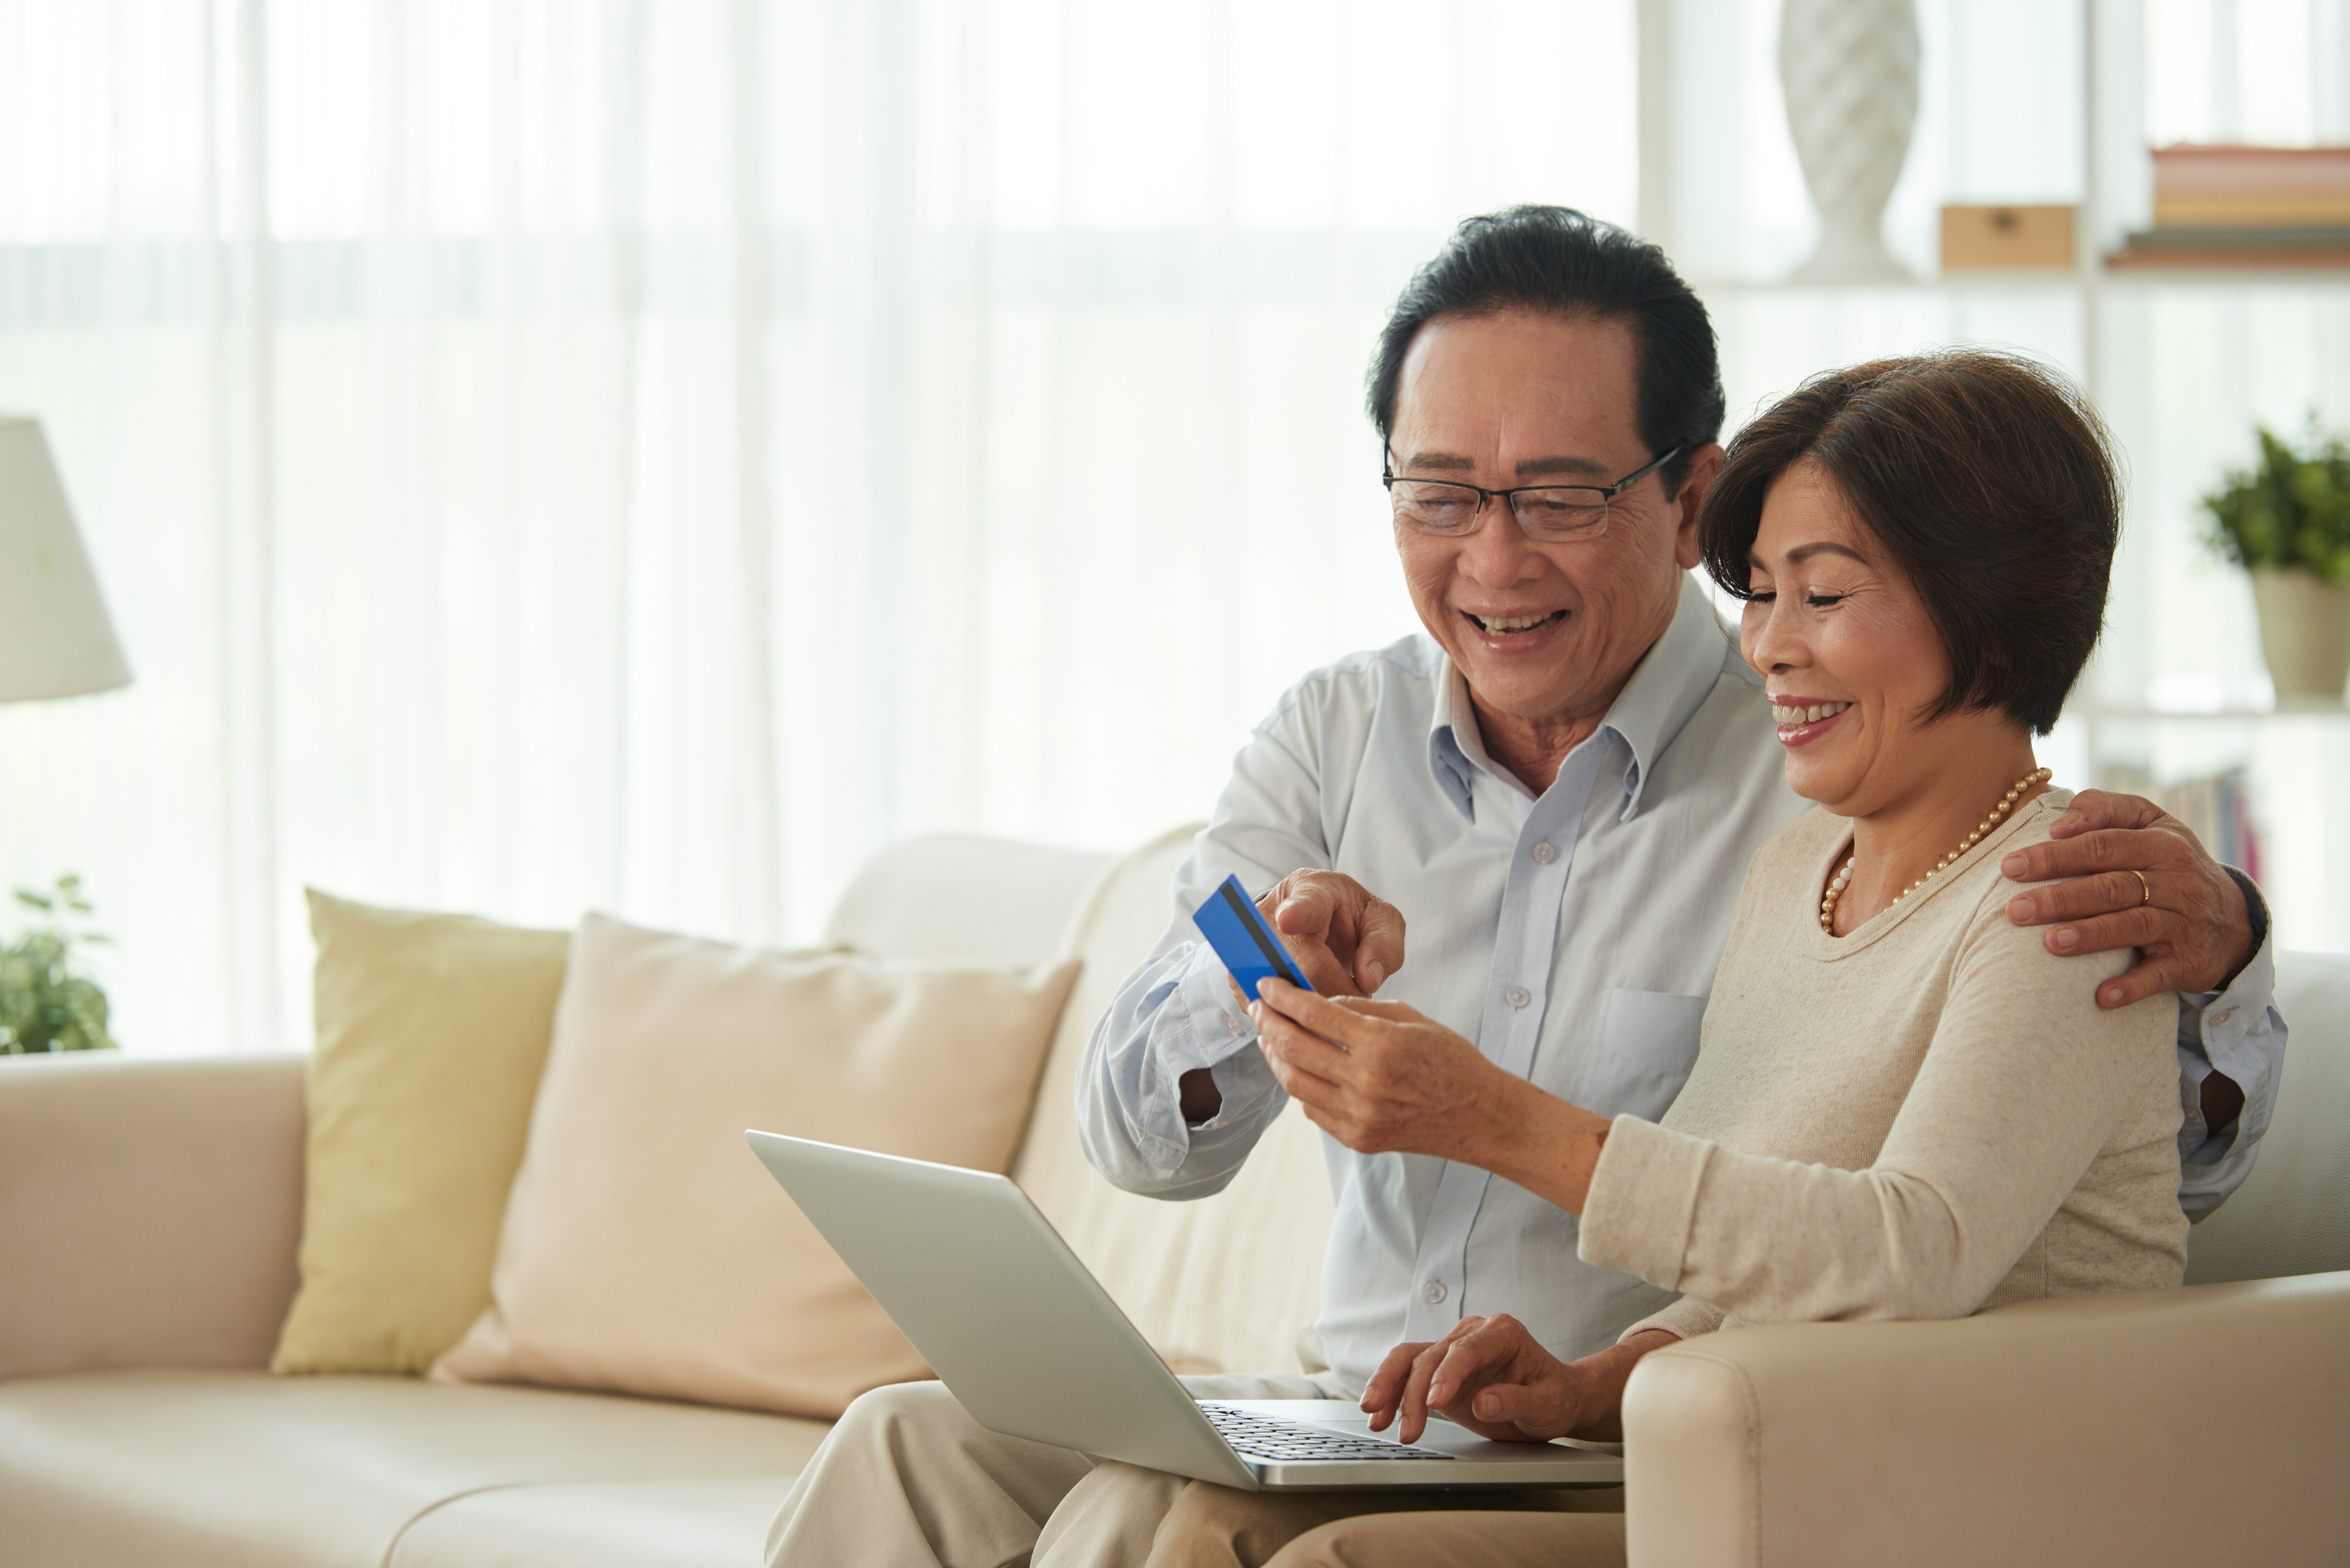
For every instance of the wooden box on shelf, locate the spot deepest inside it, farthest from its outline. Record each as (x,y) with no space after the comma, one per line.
(2001,237)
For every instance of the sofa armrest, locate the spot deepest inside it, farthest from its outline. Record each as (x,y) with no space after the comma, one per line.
(2203,1425)
(150,1210)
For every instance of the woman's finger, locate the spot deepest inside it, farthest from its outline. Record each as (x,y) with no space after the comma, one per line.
(1536,1409)
(1307,1088)
(1467,1362)
(1414,1403)
(1386,1386)
(1306,1051)
(1393,1011)
(1342,1025)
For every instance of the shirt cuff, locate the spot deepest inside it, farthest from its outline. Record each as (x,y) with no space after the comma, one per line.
(1643,1200)
(2256,908)
(1213,1027)
(2229,1031)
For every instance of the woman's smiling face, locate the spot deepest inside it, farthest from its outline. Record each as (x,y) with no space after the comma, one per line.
(1849,659)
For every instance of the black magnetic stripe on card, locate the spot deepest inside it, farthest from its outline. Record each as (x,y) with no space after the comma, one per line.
(1241,910)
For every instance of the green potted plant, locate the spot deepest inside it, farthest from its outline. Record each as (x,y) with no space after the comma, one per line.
(2287,522)
(45,1004)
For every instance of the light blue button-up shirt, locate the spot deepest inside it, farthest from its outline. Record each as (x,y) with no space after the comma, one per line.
(1572,936)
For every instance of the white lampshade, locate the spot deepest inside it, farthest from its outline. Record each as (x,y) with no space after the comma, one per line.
(55,638)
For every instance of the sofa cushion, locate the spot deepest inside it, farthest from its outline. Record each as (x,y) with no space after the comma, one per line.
(645,1248)
(1226,1283)
(602,1524)
(432,1030)
(231,1470)
(964,898)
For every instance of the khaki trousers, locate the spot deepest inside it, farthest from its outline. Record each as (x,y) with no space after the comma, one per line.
(907,1480)
(1217,1527)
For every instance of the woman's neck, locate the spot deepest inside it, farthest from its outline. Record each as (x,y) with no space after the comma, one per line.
(1896,847)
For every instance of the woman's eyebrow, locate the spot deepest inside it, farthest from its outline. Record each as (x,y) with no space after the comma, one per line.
(1803,552)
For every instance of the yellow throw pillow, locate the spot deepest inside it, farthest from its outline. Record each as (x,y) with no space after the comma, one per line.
(432,1031)
(645,1247)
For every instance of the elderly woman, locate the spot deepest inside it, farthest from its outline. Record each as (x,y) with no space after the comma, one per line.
(1904,1105)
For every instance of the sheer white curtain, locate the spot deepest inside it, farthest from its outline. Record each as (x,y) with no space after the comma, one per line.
(646,455)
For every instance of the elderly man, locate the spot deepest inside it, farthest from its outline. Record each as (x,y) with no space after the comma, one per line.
(1560,785)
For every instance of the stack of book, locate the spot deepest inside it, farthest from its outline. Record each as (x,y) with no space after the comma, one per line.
(2246,206)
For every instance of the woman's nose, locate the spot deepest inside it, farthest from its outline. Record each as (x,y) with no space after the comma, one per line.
(1771,642)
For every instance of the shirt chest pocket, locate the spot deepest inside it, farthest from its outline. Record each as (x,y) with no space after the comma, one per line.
(1643,1044)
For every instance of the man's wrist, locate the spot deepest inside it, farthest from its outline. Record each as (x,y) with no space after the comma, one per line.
(2256,925)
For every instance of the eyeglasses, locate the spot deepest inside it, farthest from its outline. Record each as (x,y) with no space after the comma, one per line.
(1546,512)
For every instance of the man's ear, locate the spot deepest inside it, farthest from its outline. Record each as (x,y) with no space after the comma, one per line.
(1703,468)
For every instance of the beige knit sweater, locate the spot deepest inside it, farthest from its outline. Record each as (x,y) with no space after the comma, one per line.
(1923,1117)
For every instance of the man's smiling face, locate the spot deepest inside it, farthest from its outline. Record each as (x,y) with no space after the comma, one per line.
(1545,633)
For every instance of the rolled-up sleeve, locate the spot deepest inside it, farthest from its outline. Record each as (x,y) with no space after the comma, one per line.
(1168,1022)
(1176,1014)
(1687,1318)
(2237,1032)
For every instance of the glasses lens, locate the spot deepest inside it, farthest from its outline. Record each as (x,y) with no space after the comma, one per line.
(1566,514)
(1434,507)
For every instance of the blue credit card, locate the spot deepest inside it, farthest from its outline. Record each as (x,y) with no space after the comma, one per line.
(1230,921)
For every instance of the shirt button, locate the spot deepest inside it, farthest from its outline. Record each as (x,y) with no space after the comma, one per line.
(1544,853)
(1234,1025)
(1433,1292)
(2224,1014)
(1517,996)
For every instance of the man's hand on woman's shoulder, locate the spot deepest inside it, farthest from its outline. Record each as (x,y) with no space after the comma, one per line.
(2139,878)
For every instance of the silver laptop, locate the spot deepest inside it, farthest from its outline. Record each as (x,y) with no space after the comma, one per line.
(1033,1347)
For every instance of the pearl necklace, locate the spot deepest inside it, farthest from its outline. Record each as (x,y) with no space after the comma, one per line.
(1844,873)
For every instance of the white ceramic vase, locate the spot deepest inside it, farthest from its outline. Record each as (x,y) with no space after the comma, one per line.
(2305,633)
(1849,71)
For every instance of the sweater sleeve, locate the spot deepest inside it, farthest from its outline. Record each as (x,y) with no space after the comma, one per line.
(2025,1082)
(1685,1319)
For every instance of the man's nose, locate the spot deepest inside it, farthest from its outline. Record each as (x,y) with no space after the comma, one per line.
(1499,552)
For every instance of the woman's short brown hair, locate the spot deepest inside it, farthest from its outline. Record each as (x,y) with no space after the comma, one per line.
(1991,482)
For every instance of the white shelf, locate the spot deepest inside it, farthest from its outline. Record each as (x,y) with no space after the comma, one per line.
(2311,708)
(2133,280)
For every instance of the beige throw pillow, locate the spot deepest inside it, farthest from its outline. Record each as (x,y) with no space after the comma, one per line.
(431,1033)
(647,1250)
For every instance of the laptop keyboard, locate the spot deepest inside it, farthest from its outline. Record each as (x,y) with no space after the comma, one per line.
(1268,1438)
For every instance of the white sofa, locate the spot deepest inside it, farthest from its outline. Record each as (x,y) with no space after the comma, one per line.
(150,1209)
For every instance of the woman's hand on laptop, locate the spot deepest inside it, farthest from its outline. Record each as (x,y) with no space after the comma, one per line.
(1490,1376)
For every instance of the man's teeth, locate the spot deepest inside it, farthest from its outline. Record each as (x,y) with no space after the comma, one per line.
(1789,717)
(1514,622)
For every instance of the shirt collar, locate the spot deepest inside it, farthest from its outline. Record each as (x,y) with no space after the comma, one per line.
(1667,687)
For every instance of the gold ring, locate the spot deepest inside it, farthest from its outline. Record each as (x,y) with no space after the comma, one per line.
(2146,889)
